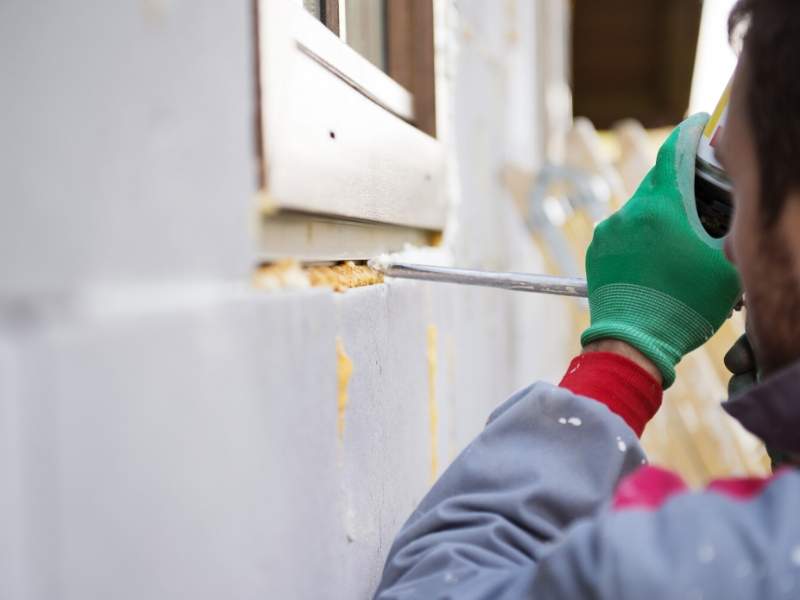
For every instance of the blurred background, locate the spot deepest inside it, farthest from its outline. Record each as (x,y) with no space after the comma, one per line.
(204,389)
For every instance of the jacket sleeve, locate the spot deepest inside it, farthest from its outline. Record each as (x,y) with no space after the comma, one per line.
(524,512)
(546,459)
(702,545)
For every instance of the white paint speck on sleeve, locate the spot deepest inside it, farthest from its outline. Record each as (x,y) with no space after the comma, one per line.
(706,553)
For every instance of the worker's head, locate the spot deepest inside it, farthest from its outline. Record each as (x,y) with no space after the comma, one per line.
(760,149)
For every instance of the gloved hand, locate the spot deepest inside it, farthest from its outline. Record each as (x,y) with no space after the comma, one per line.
(657,280)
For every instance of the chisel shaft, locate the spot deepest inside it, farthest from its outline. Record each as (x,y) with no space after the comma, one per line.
(522,282)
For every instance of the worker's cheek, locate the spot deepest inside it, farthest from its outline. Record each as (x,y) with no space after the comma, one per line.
(732,247)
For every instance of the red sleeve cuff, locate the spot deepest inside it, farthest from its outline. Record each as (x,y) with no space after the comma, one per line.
(619,383)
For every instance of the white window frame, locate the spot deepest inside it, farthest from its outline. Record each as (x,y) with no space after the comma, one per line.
(338,145)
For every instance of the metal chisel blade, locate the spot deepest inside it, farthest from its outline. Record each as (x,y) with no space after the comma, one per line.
(522,282)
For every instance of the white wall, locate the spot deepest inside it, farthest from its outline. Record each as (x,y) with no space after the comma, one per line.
(165,431)
(126,147)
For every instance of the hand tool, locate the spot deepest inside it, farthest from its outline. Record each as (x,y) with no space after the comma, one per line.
(523,282)
(712,187)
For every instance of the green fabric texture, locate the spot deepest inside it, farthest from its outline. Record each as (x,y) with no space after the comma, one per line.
(656,279)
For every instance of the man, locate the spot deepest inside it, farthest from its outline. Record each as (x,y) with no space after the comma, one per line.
(554,499)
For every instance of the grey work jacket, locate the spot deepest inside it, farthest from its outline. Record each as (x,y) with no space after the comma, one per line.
(527,511)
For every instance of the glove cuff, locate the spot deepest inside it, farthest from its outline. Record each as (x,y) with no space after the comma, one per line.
(659,326)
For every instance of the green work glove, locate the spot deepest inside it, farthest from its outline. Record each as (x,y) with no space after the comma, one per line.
(657,280)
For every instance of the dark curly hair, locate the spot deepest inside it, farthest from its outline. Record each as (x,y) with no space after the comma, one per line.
(769,33)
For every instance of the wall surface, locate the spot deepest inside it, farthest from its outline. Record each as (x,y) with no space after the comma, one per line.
(167,431)
(127,149)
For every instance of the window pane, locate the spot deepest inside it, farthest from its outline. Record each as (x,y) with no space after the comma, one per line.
(314,7)
(366,29)
(363,25)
